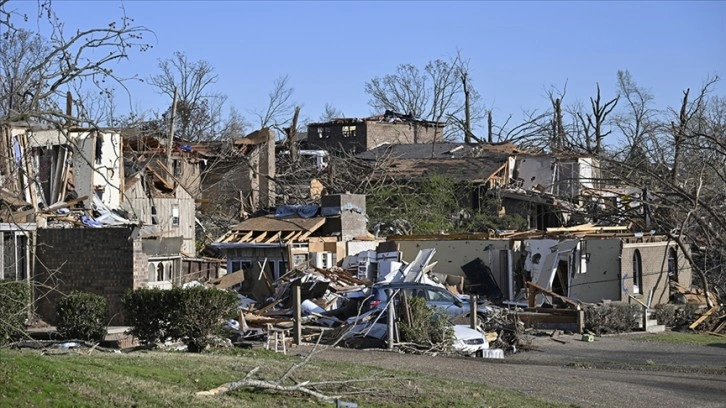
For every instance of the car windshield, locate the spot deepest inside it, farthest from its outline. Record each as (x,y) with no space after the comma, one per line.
(440,296)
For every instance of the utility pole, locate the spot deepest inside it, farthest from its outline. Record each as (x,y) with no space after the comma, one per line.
(467,109)
(171,134)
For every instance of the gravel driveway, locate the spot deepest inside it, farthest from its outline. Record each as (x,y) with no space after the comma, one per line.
(616,371)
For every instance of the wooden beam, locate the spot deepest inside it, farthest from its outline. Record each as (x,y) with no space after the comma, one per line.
(274,237)
(702,318)
(538,288)
(261,237)
(66,204)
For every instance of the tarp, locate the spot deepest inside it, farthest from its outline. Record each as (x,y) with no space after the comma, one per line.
(302,211)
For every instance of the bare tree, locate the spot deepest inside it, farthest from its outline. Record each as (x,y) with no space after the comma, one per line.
(593,122)
(330,112)
(50,67)
(199,108)
(279,105)
(638,120)
(435,93)
(234,126)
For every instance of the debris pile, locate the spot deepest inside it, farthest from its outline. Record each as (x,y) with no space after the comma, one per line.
(341,308)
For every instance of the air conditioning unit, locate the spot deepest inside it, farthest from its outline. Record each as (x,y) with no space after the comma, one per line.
(323,260)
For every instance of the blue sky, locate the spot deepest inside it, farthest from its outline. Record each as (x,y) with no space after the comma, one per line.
(516,49)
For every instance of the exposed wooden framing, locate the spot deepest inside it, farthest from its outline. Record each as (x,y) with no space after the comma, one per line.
(67,204)
(246,236)
(495,174)
(260,238)
(588,228)
(481,236)
(227,237)
(304,236)
(273,238)
(288,237)
(702,318)
(295,236)
(536,288)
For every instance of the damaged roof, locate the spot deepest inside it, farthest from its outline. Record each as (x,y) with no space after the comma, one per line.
(474,169)
(444,150)
(270,230)
(388,117)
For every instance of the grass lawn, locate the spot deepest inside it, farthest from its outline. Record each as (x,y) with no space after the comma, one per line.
(685,338)
(28,378)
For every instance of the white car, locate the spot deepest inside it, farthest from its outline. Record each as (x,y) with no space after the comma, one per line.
(467,341)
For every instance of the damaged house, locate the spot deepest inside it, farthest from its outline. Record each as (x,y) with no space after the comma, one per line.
(78,219)
(589,265)
(267,247)
(44,170)
(355,135)
(158,197)
(237,179)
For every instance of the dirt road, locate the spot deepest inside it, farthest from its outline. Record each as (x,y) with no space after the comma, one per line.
(611,372)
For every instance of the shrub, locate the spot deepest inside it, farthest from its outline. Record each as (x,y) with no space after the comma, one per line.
(190,315)
(14,301)
(676,316)
(82,315)
(427,326)
(615,317)
(149,312)
(200,313)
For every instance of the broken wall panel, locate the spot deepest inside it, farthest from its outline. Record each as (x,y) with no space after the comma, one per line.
(452,253)
(598,277)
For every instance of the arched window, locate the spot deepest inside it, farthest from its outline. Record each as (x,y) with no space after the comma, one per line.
(160,272)
(637,272)
(673,264)
(152,272)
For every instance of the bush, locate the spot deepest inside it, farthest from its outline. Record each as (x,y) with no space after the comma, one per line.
(427,326)
(14,301)
(200,314)
(189,315)
(615,317)
(82,316)
(676,316)
(149,312)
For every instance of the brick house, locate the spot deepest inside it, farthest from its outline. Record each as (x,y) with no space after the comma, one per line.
(357,135)
(105,261)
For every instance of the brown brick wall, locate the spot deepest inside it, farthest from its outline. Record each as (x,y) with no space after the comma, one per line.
(654,260)
(95,260)
(369,135)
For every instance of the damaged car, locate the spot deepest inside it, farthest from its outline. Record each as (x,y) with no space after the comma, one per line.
(435,297)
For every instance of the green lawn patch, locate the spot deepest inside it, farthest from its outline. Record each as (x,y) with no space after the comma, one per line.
(146,379)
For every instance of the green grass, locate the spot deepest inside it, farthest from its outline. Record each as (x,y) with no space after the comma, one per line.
(144,379)
(685,338)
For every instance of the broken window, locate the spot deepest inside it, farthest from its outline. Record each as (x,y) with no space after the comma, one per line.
(154,219)
(160,272)
(349,131)
(235,266)
(673,264)
(175,215)
(176,168)
(323,133)
(637,272)
(13,250)
(281,269)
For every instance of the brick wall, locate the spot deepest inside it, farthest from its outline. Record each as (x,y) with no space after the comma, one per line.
(369,134)
(654,261)
(96,260)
